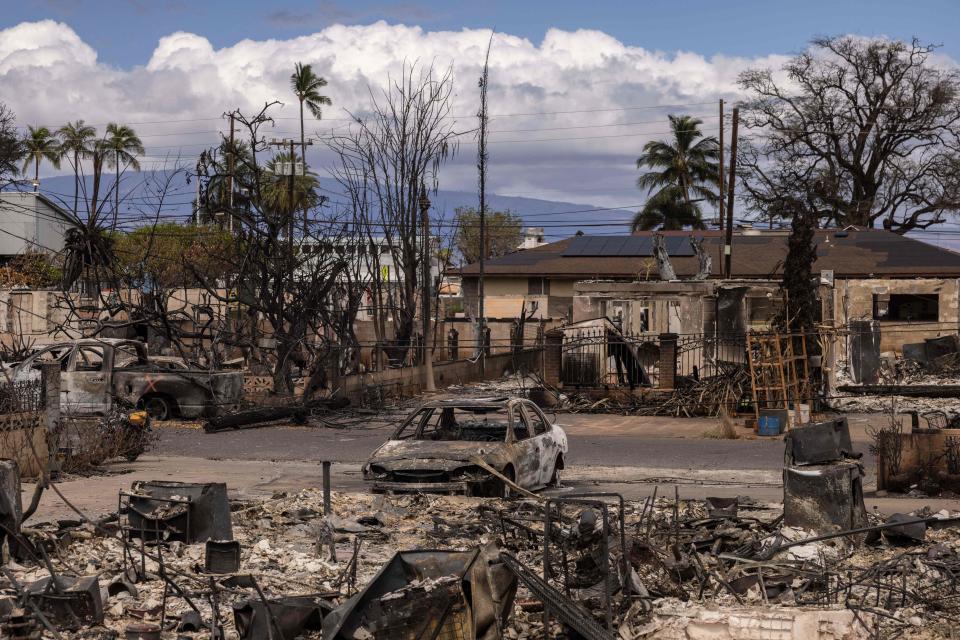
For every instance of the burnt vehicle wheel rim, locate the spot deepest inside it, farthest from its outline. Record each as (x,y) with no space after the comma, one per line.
(158,408)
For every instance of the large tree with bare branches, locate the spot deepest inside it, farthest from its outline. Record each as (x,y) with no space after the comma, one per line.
(855,131)
(386,160)
(285,290)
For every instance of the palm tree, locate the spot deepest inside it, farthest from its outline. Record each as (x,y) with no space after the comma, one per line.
(123,144)
(275,188)
(76,138)
(668,211)
(684,173)
(307,87)
(38,145)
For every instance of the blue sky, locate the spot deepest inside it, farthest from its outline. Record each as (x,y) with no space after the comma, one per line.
(125,32)
(577,88)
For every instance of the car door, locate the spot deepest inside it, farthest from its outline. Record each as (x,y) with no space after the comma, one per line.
(542,441)
(528,450)
(29,369)
(86,381)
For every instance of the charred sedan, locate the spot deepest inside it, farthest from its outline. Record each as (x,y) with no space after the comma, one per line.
(435,449)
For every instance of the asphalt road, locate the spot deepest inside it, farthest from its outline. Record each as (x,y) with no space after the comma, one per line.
(630,455)
(670,443)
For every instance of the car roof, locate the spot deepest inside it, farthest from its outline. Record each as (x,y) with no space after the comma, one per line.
(94,341)
(472,403)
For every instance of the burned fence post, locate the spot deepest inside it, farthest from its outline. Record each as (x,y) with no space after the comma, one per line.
(11,508)
(453,344)
(326,487)
(552,356)
(50,379)
(668,360)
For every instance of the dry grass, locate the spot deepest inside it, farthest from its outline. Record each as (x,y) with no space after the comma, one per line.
(725,429)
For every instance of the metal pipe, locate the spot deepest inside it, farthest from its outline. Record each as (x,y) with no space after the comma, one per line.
(840,534)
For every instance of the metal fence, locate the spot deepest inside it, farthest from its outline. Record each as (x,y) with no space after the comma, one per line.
(21,397)
(598,357)
(702,356)
(601,357)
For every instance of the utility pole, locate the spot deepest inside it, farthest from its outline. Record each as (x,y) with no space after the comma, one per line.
(720,177)
(482,178)
(720,166)
(280,144)
(728,243)
(230,164)
(425,292)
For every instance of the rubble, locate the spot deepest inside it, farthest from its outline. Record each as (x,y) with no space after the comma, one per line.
(663,567)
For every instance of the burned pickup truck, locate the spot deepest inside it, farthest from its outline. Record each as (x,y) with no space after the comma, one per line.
(96,371)
(436,450)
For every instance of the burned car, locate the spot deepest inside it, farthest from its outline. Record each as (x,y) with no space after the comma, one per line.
(435,449)
(97,372)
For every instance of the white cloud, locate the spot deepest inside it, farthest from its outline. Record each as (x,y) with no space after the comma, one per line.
(50,76)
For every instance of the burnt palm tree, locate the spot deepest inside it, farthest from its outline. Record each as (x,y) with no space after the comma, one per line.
(123,146)
(307,85)
(682,174)
(38,145)
(76,140)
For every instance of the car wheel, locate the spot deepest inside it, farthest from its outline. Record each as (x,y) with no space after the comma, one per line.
(158,407)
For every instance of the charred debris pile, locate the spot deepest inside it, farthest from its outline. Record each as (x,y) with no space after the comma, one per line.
(182,561)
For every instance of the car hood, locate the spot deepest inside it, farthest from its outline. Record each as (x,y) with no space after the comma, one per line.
(446,455)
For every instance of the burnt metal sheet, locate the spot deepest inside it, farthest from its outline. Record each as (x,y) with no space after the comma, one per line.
(221,556)
(293,615)
(818,442)
(916,351)
(823,497)
(941,346)
(206,517)
(911,532)
(731,314)
(69,603)
(864,351)
(722,507)
(470,592)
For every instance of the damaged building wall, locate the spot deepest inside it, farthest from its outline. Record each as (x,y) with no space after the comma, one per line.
(888,301)
(504,297)
(685,307)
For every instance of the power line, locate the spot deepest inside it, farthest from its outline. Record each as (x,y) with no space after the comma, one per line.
(464,117)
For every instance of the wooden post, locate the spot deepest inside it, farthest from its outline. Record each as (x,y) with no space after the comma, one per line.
(425,287)
(326,487)
(728,243)
(230,169)
(720,167)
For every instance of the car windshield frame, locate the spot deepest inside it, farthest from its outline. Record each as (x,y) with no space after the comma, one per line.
(414,426)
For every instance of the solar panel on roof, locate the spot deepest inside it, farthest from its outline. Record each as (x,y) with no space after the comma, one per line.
(624,246)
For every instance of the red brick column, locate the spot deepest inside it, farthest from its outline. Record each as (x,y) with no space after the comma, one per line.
(668,360)
(552,354)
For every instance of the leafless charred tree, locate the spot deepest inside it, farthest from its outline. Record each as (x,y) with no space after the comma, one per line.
(280,285)
(384,158)
(861,131)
